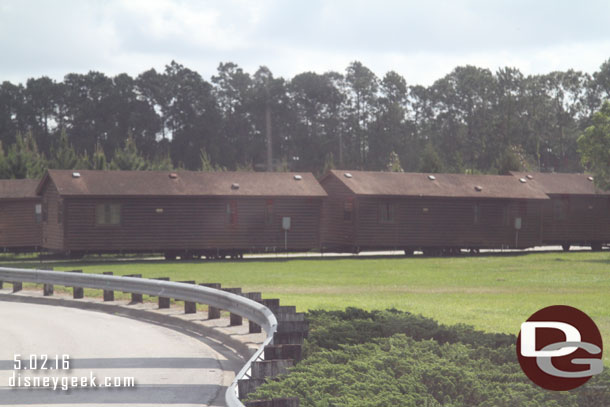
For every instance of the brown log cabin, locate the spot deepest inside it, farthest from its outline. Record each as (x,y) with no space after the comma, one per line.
(186,214)
(20,215)
(577,213)
(435,213)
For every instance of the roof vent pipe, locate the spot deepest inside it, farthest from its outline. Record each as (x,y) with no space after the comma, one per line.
(522,180)
(590,178)
(478,188)
(347,175)
(173,175)
(235,185)
(431,177)
(76,175)
(529,176)
(298,177)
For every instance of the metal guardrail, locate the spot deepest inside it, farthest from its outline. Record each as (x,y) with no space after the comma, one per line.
(242,306)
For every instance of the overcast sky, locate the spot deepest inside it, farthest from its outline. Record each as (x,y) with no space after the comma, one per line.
(422,40)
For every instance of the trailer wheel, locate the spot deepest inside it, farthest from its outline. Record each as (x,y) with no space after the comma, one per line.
(409,251)
(596,246)
(565,247)
(170,256)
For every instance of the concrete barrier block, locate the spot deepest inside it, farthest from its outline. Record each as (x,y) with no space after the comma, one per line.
(270,368)
(247,386)
(286,351)
(293,326)
(282,338)
(271,303)
(290,317)
(254,296)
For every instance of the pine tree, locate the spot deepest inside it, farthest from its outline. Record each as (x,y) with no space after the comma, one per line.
(98,159)
(128,158)
(161,163)
(394,163)
(4,164)
(63,156)
(206,162)
(431,162)
(23,158)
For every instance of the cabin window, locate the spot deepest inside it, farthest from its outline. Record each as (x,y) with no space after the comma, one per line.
(232,213)
(38,213)
(386,212)
(348,208)
(108,214)
(477,214)
(269,212)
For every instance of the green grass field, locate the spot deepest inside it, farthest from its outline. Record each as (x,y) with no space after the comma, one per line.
(492,293)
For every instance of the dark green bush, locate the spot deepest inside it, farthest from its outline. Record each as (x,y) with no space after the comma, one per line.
(392,358)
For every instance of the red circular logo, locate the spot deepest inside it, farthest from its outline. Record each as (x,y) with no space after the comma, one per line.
(560,348)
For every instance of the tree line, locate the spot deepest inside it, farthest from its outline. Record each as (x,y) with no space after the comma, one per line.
(472,120)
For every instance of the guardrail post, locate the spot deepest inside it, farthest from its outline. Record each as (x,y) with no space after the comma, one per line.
(213,312)
(47,289)
(252,327)
(163,301)
(135,298)
(17,286)
(108,294)
(77,292)
(234,319)
(189,307)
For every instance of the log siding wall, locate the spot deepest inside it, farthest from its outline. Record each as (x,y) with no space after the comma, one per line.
(191,223)
(584,220)
(19,228)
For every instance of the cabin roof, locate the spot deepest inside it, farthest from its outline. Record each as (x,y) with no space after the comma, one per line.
(18,188)
(182,183)
(561,183)
(437,185)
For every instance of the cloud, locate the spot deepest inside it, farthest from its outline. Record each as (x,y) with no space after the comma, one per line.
(421,40)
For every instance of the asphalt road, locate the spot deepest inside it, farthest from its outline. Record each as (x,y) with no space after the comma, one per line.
(169,368)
